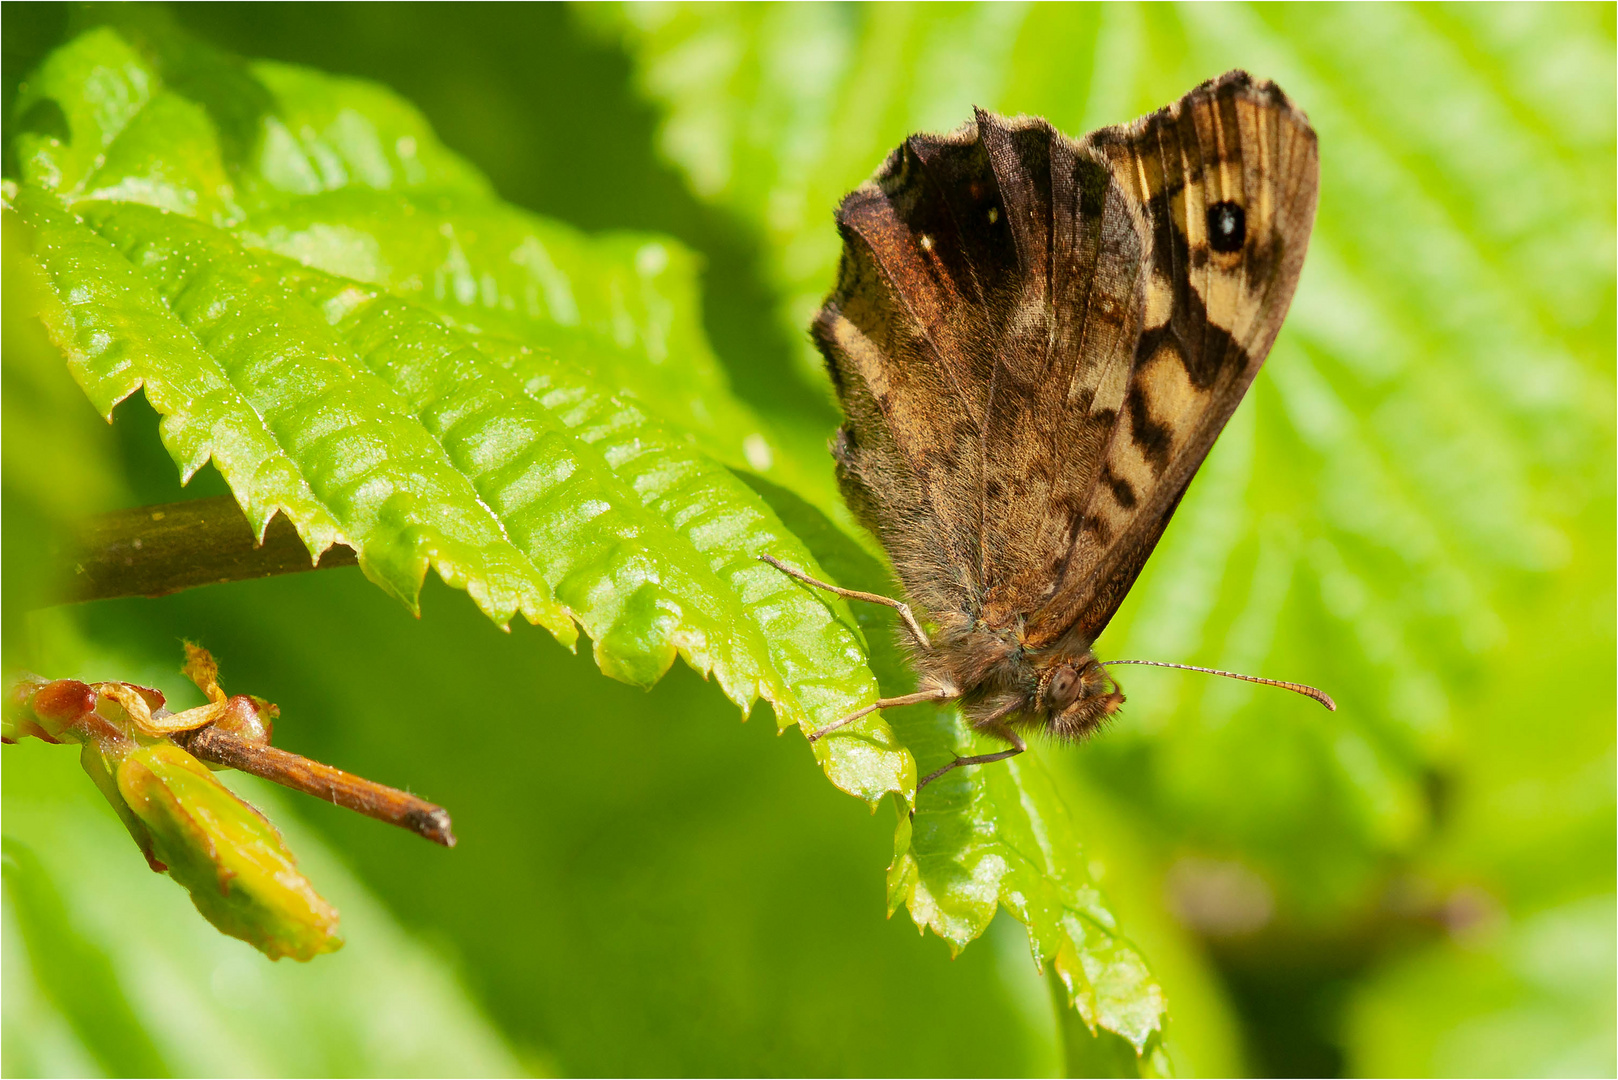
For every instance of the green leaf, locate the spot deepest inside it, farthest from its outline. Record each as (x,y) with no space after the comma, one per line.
(1426,435)
(1430,434)
(222,850)
(1427,439)
(1531,999)
(639,890)
(988,838)
(74,974)
(228,856)
(108,969)
(119,336)
(361,337)
(981,839)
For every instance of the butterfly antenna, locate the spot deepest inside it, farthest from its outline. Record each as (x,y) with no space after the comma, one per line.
(1297,688)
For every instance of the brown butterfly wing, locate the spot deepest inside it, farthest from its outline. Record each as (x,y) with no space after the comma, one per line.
(1207,316)
(909,345)
(1036,343)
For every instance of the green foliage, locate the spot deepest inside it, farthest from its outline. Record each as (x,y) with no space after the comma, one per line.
(1421,487)
(1414,509)
(227,855)
(404,408)
(186,823)
(361,338)
(74,975)
(105,973)
(1536,998)
(983,839)
(1365,471)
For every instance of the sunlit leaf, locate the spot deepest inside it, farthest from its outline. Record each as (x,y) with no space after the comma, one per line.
(1415,508)
(360,337)
(1428,453)
(107,968)
(986,838)
(1427,434)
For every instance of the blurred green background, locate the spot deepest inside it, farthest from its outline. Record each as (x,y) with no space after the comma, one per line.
(1415,509)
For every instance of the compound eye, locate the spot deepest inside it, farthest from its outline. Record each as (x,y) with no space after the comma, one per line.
(1064,687)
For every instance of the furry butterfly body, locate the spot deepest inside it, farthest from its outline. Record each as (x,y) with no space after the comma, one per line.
(1035,342)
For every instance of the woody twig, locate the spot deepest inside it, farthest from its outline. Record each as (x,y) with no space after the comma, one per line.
(157,550)
(335,786)
(230,730)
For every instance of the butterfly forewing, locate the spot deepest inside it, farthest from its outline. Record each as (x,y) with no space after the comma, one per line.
(1232,153)
(1036,342)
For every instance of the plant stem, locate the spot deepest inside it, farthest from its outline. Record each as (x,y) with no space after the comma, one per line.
(157,550)
(322,781)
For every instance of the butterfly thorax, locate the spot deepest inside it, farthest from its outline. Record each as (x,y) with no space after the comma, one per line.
(1002,681)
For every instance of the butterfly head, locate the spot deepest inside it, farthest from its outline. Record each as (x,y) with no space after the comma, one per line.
(1077,695)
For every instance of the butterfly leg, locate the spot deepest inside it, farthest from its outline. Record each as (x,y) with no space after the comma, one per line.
(854,594)
(1017,747)
(886,703)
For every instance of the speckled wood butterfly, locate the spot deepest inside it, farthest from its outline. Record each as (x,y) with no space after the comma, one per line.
(1035,342)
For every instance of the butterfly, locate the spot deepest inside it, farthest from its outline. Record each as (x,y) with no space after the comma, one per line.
(1035,342)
